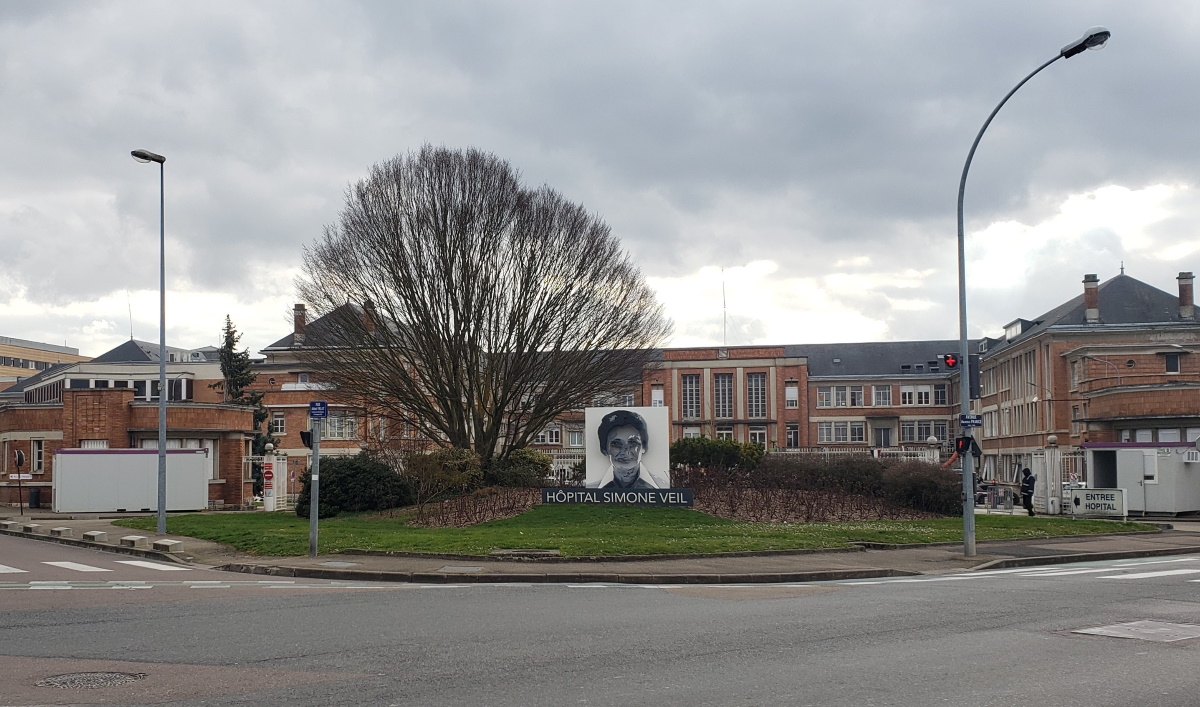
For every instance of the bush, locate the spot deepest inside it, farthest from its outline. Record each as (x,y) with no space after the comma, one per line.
(355,484)
(521,468)
(859,475)
(924,487)
(715,454)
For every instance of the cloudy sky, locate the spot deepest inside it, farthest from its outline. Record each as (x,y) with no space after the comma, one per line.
(802,156)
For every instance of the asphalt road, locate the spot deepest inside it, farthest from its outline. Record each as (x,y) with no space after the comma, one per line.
(1000,638)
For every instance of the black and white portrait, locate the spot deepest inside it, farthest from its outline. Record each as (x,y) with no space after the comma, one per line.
(627,448)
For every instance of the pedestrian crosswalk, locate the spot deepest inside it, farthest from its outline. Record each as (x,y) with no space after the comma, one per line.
(1112,570)
(81,567)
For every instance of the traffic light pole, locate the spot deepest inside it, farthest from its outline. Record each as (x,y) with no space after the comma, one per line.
(314,498)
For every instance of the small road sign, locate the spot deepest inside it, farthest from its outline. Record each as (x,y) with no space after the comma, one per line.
(970,421)
(318,409)
(20,477)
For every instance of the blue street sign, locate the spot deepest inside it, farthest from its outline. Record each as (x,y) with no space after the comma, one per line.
(318,409)
(970,421)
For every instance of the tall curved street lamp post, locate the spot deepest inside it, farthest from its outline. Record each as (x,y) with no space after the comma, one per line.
(147,156)
(1094,38)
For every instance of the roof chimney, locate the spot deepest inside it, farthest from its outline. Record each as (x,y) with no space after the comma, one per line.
(369,317)
(1091,299)
(299,325)
(1187,305)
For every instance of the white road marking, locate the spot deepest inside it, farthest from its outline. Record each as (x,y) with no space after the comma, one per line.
(155,566)
(77,567)
(1064,573)
(1144,575)
(1157,562)
(5,569)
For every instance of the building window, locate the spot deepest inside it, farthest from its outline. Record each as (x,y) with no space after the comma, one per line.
(725,432)
(841,432)
(839,396)
(856,396)
(1144,436)
(690,389)
(1168,434)
(883,395)
(1172,361)
(553,435)
(339,425)
(824,432)
(941,431)
(627,400)
(302,378)
(37,450)
(93,444)
(758,435)
(756,398)
(723,397)
(278,423)
(907,395)
(922,395)
(883,436)
(908,432)
(575,438)
(939,394)
(791,394)
(691,432)
(858,432)
(824,397)
(656,397)
(793,435)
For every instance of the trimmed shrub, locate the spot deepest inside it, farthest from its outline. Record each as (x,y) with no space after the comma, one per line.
(923,487)
(521,468)
(715,454)
(355,484)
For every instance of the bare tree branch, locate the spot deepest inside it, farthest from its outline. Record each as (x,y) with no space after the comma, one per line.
(477,310)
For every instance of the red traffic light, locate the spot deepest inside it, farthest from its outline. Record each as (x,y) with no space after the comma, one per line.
(951,360)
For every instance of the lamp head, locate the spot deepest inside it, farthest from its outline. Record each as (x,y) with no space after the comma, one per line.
(1094,38)
(147,156)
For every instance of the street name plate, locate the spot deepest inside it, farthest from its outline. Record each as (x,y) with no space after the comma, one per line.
(318,409)
(970,420)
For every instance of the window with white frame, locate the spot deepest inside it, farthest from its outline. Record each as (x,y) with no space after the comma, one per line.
(1172,362)
(93,444)
(1191,434)
(883,395)
(278,423)
(908,395)
(339,425)
(1144,436)
(723,396)
(575,438)
(908,431)
(725,432)
(793,434)
(856,396)
(941,430)
(691,432)
(656,397)
(922,395)
(791,394)
(839,396)
(553,435)
(924,430)
(758,435)
(824,432)
(689,384)
(756,398)
(1168,434)
(626,400)
(1150,466)
(841,432)
(37,452)
(940,396)
(858,432)
(824,396)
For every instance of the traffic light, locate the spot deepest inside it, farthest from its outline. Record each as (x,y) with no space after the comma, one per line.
(962,445)
(950,359)
(306,438)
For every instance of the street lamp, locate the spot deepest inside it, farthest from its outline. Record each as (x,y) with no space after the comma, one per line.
(1094,38)
(147,156)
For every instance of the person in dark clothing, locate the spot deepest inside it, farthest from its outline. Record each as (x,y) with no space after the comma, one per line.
(1028,480)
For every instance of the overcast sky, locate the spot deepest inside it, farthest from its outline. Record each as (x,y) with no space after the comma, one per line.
(804,155)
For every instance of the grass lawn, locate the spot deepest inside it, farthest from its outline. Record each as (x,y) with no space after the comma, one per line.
(596,530)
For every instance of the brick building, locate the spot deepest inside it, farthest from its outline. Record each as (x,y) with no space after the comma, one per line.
(1116,363)
(111,402)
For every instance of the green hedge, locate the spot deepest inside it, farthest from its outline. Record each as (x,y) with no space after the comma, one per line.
(355,484)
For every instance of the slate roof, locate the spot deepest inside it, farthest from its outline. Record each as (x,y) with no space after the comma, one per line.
(1122,300)
(876,358)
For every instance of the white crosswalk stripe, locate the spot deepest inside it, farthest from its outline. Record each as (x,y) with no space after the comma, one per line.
(76,567)
(5,569)
(1146,575)
(154,566)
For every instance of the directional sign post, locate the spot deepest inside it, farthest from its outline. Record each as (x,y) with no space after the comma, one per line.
(970,421)
(317,410)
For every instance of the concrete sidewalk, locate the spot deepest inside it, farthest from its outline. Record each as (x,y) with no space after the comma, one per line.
(764,567)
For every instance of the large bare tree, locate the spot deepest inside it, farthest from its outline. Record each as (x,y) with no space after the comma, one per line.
(460,302)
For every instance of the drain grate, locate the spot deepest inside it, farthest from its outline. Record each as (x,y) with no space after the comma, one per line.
(88,681)
(1157,631)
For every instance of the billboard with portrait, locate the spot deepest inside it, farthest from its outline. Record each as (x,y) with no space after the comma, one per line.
(627,448)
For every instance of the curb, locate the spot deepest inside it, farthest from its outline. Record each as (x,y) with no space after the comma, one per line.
(562,578)
(855,547)
(1084,557)
(106,547)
